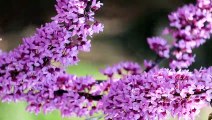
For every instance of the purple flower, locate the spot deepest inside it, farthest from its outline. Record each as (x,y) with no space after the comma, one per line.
(64,94)
(34,71)
(159,45)
(190,26)
(122,69)
(205,4)
(155,94)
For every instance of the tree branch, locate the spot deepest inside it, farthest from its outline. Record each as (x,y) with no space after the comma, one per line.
(99,97)
(86,95)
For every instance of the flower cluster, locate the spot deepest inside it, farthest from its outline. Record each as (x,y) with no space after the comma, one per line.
(122,68)
(190,25)
(160,46)
(67,93)
(35,70)
(114,73)
(29,72)
(205,4)
(156,94)
(150,65)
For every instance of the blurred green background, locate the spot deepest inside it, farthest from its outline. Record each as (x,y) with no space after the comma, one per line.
(127,25)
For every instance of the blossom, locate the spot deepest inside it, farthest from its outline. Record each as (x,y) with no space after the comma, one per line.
(148,63)
(191,26)
(151,65)
(183,60)
(160,46)
(29,72)
(204,4)
(122,68)
(63,94)
(155,94)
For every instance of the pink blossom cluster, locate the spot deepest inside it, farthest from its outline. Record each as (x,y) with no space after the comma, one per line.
(73,95)
(122,68)
(114,73)
(31,71)
(160,46)
(205,4)
(64,94)
(190,26)
(156,94)
(150,65)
